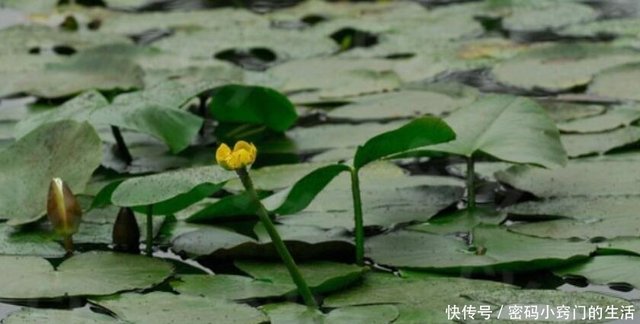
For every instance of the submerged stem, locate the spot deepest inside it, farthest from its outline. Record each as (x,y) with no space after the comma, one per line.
(471,185)
(357,215)
(149,241)
(281,248)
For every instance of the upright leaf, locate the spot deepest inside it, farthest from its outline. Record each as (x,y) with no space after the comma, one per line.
(302,193)
(512,129)
(68,150)
(171,191)
(420,132)
(253,105)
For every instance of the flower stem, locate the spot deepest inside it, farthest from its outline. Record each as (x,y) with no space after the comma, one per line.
(121,145)
(281,248)
(471,185)
(68,244)
(149,245)
(357,215)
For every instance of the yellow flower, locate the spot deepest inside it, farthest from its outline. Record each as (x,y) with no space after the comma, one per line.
(242,155)
(62,208)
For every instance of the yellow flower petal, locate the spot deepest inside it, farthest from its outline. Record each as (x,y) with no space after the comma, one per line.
(222,154)
(242,155)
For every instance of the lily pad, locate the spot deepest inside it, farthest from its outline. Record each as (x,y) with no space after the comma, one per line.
(492,247)
(426,298)
(560,67)
(620,116)
(88,274)
(606,269)
(397,105)
(66,149)
(617,82)
(321,276)
(230,287)
(163,307)
(73,316)
(290,313)
(304,243)
(605,178)
(599,143)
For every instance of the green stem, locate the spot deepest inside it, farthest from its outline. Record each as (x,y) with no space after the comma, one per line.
(281,248)
(357,215)
(471,185)
(149,245)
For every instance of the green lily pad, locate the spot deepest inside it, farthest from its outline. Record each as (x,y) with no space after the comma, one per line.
(16,242)
(275,177)
(609,227)
(403,104)
(88,274)
(171,191)
(304,243)
(230,287)
(599,143)
(584,208)
(334,78)
(327,136)
(66,149)
(560,67)
(617,82)
(32,6)
(492,247)
(564,112)
(512,129)
(60,77)
(619,116)
(321,276)
(460,221)
(593,178)
(606,269)
(73,316)
(163,307)
(291,313)
(523,16)
(426,298)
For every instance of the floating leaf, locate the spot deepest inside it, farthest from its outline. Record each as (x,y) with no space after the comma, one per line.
(594,178)
(560,67)
(607,269)
(618,116)
(72,316)
(230,287)
(321,276)
(291,313)
(491,248)
(599,143)
(617,82)
(170,308)
(91,273)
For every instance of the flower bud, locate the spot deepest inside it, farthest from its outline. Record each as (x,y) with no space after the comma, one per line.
(242,155)
(126,233)
(63,209)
